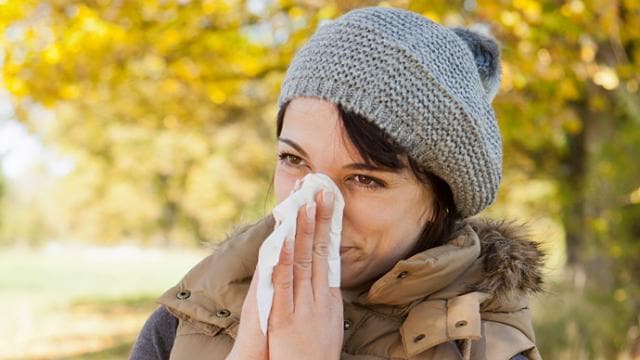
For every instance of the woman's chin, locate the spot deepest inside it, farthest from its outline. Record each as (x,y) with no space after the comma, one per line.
(349,277)
(347,283)
(346,277)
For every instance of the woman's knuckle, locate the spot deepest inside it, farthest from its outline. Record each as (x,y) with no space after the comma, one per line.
(281,277)
(325,215)
(308,231)
(303,265)
(283,283)
(321,248)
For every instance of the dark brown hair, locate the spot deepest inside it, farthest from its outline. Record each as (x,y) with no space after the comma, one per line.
(376,147)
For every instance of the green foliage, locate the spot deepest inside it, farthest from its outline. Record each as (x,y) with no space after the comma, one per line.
(579,324)
(165,108)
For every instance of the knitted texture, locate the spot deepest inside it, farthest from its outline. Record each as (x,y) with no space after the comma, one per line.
(416,80)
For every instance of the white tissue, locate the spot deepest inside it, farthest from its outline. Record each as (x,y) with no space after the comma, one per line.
(285,215)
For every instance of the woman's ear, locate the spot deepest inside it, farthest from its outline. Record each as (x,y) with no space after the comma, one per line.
(486,53)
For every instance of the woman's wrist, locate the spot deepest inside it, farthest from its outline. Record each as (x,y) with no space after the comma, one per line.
(233,355)
(237,354)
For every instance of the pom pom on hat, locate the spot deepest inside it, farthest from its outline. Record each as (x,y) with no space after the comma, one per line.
(486,53)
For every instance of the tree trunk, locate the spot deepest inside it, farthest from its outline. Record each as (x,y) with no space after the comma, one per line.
(574,166)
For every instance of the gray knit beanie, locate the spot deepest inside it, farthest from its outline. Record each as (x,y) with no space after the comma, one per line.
(429,87)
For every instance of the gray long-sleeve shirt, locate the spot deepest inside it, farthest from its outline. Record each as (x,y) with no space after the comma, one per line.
(156,338)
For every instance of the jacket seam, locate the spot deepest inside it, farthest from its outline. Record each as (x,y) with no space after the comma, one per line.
(504,312)
(398,318)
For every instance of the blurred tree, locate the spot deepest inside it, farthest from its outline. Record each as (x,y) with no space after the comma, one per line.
(165,107)
(2,195)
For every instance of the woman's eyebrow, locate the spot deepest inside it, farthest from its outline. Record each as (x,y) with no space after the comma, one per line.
(353,166)
(294,145)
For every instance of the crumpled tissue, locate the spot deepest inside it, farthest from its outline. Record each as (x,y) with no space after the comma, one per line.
(285,215)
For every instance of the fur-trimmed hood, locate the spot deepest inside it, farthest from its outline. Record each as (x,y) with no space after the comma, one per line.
(512,260)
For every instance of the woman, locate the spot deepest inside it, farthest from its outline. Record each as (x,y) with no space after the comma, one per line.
(396,110)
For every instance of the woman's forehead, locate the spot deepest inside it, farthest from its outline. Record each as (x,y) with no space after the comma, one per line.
(314,126)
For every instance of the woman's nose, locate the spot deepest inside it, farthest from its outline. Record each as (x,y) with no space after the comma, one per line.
(340,186)
(298,184)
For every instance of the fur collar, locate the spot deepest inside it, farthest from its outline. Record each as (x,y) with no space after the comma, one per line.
(511,260)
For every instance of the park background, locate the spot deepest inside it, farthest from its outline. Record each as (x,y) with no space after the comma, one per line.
(134,135)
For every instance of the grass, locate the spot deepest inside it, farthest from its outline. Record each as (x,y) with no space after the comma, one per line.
(64,302)
(90,303)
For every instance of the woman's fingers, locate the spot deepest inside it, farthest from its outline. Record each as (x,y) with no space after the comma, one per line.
(320,265)
(250,309)
(302,272)
(303,251)
(282,278)
(250,342)
(315,326)
(249,305)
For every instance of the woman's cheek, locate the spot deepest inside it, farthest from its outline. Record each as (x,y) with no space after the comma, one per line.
(368,213)
(284,182)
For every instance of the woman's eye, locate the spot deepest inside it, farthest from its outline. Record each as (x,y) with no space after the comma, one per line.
(363,181)
(368,182)
(289,159)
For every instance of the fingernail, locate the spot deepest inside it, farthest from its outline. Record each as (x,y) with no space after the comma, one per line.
(311,211)
(288,242)
(327,197)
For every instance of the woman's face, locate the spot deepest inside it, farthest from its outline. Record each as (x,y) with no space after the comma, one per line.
(384,211)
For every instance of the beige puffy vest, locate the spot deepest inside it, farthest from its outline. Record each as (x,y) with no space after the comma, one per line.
(466,299)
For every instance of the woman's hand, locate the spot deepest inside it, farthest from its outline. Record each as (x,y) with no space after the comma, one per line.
(306,319)
(306,316)
(251,343)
